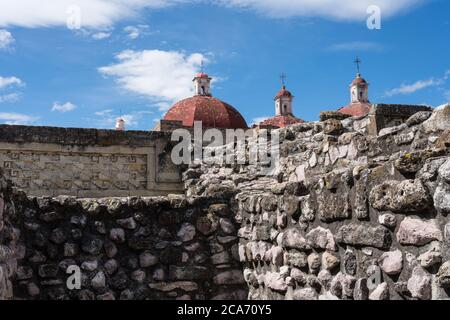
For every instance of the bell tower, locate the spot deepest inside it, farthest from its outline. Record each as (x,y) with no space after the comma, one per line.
(359,88)
(202,84)
(283,100)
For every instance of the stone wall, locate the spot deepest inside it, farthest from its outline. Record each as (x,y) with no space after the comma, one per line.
(10,249)
(46,161)
(344,215)
(127,248)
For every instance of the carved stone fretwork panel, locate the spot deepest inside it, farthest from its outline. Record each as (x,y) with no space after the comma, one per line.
(32,170)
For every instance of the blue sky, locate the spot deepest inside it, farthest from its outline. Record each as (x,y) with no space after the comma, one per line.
(137,57)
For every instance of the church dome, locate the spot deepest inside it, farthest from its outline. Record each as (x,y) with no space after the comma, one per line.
(283,93)
(359,81)
(212,112)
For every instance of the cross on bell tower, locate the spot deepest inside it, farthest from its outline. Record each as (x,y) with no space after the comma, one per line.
(358,62)
(283,100)
(202,82)
(283,78)
(359,88)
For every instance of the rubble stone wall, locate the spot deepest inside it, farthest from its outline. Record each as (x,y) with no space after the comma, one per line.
(122,248)
(344,215)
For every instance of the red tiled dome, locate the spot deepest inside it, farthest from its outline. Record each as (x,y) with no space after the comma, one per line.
(283,93)
(281,121)
(356,109)
(202,75)
(211,111)
(359,81)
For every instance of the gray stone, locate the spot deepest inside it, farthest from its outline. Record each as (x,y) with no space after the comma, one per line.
(305,294)
(187,232)
(70,249)
(128,223)
(275,281)
(99,281)
(227,226)
(391,130)
(401,196)
(343,285)
(443,276)
(298,276)
(418,232)
(430,258)
(333,206)
(314,263)
(229,278)
(442,198)
(48,270)
(146,259)
(296,259)
(418,118)
(329,261)
(321,238)
(92,246)
(110,249)
(391,262)
(117,235)
(439,120)
(444,171)
(361,291)
(419,285)
(350,262)
(111,266)
(221,258)
(380,293)
(58,236)
(207,224)
(89,265)
(388,220)
(185,273)
(289,205)
(364,235)
(293,239)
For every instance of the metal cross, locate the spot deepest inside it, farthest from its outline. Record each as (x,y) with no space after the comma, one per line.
(283,78)
(358,62)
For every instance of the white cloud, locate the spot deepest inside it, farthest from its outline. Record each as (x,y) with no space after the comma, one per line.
(6,39)
(101,35)
(134,32)
(94,13)
(16,118)
(334,9)
(411,88)
(10,81)
(418,85)
(356,46)
(66,107)
(103,112)
(107,119)
(103,13)
(162,76)
(10,98)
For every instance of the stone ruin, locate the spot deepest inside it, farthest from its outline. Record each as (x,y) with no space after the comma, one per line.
(344,215)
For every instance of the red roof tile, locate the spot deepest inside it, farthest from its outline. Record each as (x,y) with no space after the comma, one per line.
(283,93)
(356,109)
(212,112)
(202,75)
(358,82)
(281,121)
